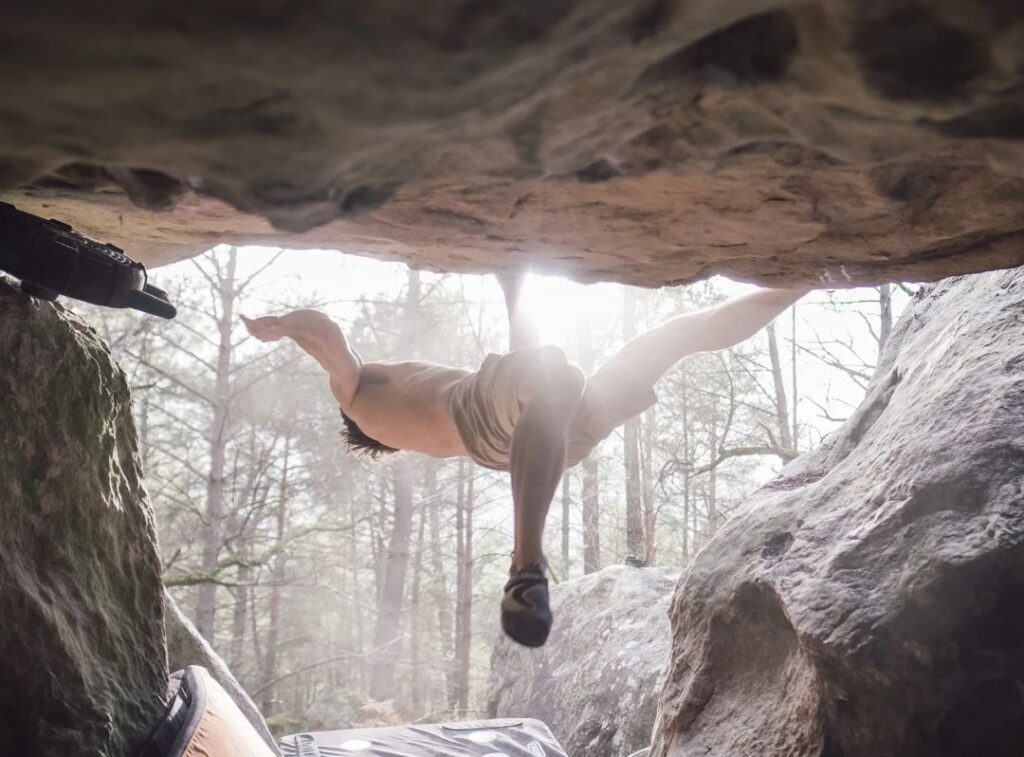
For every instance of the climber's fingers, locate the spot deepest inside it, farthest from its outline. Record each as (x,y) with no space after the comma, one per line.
(266,329)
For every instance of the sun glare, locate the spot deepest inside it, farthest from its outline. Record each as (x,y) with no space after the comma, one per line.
(554,304)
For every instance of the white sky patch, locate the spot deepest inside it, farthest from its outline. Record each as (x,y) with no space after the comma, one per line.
(554,304)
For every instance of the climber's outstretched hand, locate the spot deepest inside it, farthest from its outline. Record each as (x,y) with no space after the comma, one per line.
(267,329)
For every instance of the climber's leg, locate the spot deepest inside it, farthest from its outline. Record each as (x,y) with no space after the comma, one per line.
(646,358)
(550,392)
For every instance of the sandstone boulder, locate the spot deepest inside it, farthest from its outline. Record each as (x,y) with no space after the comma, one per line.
(648,141)
(596,682)
(868,601)
(82,659)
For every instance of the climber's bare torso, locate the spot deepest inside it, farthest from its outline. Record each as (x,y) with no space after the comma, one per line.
(401,405)
(405,406)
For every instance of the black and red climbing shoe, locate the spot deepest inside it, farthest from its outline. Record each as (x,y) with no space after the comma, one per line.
(525,612)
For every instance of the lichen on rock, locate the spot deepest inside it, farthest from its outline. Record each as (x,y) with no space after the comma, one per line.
(82,655)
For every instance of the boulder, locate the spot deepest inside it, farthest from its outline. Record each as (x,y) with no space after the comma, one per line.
(186,646)
(868,600)
(647,141)
(82,656)
(596,682)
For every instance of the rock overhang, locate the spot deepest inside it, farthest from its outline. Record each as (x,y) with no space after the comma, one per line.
(647,141)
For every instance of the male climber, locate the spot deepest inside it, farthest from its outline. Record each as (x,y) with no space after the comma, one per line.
(528,411)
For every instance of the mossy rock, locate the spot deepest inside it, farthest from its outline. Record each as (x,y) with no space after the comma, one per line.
(82,640)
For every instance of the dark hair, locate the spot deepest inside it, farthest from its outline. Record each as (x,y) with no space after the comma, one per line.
(359,443)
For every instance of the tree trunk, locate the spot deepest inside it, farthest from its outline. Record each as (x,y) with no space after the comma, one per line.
(396,561)
(442,599)
(464,591)
(687,467)
(566,523)
(712,493)
(650,513)
(785,439)
(415,635)
(460,587)
(631,447)
(355,608)
(254,495)
(142,404)
(796,395)
(885,316)
(206,605)
(240,614)
(590,495)
(389,605)
(379,541)
(271,657)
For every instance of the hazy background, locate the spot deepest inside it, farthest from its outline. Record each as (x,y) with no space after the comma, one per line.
(345,591)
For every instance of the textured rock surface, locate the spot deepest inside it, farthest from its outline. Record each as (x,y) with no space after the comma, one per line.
(868,601)
(186,646)
(82,659)
(596,682)
(650,141)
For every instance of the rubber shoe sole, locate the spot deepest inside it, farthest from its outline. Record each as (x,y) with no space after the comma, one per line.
(525,611)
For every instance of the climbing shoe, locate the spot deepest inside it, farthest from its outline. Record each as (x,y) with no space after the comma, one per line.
(525,612)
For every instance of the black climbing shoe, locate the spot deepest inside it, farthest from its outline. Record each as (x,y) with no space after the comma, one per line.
(525,612)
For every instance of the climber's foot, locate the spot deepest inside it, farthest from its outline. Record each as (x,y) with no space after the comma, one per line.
(525,612)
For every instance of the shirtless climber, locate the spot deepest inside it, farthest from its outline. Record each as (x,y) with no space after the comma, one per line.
(529,412)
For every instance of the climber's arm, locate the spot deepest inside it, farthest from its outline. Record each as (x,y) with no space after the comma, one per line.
(322,339)
(726,325)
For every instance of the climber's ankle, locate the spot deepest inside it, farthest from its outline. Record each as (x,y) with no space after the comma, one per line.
(528,560)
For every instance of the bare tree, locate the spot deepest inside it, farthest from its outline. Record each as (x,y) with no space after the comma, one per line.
(416,634)
(590,494)
(464,587)
(280,557)
(631,447)
(206,603)
(647,471)
(441,595)
(884,315)
(566,523)
(389,601)
(784,430)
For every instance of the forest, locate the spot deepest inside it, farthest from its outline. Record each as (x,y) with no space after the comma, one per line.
(343,590)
